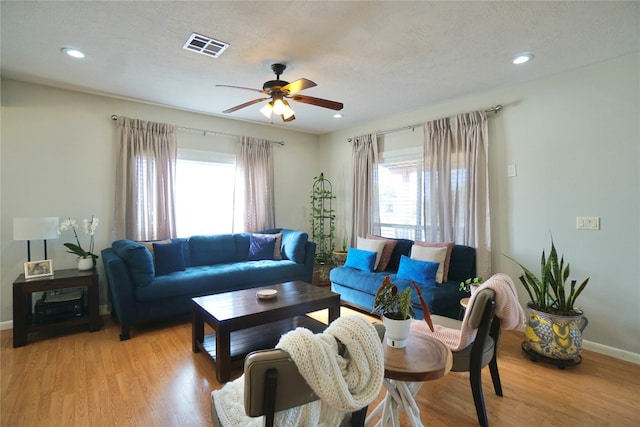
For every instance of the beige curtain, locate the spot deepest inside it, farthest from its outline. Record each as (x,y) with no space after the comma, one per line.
(365,194)
(456,154)
(145,180)
(254,195)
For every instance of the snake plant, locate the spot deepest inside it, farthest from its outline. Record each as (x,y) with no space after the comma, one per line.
(548,292)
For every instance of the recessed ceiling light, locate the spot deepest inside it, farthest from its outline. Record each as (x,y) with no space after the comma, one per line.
(337,116)
(521,59)
(75,53)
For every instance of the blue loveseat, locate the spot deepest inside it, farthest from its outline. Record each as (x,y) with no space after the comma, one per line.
(357,288)
(145,287)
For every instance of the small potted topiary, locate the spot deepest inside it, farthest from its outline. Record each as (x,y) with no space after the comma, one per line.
(396,310)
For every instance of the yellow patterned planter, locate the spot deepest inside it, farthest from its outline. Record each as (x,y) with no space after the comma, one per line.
(555,336)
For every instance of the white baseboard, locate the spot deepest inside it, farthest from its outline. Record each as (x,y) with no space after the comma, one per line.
(6,325)
(617,353)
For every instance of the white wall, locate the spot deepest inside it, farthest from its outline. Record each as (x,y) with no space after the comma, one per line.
(57,155)
(575,141)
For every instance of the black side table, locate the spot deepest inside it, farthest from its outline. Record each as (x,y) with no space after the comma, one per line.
(61,279)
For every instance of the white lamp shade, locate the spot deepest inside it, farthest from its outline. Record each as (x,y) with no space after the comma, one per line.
(266,110)
(288,111)
(35,228)
(278,107)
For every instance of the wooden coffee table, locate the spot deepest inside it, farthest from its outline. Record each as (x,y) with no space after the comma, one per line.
(243,323)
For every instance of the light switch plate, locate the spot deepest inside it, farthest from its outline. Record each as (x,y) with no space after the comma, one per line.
(588,223)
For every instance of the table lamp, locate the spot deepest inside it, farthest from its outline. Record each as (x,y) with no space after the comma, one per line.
(35,229)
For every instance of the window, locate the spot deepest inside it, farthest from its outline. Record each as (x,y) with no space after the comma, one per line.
(204,192)
(146,172)
(400,195)
(403,203)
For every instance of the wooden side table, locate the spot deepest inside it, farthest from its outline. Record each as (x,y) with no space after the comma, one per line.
(61,279)
(463,306)
(423,359)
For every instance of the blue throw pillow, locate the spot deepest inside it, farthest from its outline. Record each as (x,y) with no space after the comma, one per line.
(261,247)
(423,272)
(360,259)
(138,259)
(168,257)
(185,249)
(294,245)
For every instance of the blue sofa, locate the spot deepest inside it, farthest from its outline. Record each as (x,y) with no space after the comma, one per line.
(357,288)
(145,287)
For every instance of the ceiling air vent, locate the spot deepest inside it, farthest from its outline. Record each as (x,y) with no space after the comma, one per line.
(205,45)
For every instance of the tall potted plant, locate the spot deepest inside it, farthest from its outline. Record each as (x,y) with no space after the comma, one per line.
(396,310)
(555,325)
(322,221)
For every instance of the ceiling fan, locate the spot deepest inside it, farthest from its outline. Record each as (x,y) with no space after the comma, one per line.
(279,92)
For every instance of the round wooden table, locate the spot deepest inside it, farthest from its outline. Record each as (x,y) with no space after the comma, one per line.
(405,369)
(463,306)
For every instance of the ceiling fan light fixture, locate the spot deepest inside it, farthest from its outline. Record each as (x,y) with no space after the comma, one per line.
(288,111)
(267,110)
(278,90)
(278,106)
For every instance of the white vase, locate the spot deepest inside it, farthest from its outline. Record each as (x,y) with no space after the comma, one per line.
(85,263)
(397,331)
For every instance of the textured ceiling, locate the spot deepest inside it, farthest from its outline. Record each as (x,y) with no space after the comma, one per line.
(378,58)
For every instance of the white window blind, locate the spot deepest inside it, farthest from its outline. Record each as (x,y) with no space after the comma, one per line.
(400,194)
(405,194)
(204,193)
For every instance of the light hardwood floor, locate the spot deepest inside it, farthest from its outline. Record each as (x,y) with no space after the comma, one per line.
(92,379)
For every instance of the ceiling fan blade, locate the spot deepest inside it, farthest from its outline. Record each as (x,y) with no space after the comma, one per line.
(333,105)
(246,104)
(298,85)
(245,88)
(293,117)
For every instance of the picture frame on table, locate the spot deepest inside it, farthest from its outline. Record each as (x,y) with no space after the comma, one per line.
(42,268)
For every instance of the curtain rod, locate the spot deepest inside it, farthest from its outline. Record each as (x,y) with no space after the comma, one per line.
(204,132)
(494,109)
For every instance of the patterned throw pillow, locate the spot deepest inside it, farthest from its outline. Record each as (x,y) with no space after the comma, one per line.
(149,244)
(261,247)
(277,254)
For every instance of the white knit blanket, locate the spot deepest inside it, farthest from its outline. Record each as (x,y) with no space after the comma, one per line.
(508,310)
(343,383)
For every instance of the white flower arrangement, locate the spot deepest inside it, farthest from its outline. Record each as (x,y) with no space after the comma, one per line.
(89,226)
